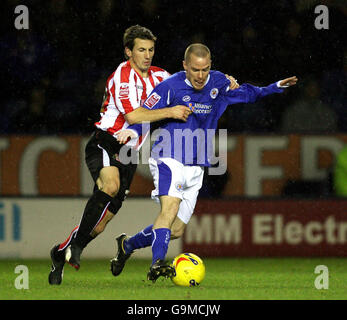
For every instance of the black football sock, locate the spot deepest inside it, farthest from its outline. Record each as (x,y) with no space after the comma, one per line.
(93,213)
(66,243)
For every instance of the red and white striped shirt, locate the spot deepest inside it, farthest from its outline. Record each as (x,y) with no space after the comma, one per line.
(125,91)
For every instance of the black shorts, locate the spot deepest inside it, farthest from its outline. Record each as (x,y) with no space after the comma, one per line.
(101,151)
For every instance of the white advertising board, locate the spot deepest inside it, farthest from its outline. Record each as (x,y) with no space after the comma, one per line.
(30,227)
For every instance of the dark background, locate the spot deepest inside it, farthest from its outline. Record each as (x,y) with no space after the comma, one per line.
(53,74)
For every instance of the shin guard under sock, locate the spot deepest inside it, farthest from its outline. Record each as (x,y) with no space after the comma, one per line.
(94,212)
(67,242)
(142,239)
(160,243)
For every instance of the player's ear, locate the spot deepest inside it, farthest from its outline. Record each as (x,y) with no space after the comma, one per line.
(128,52)
(184,65)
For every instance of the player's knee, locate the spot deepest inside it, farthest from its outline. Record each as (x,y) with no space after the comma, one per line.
(171,208)
(111,188)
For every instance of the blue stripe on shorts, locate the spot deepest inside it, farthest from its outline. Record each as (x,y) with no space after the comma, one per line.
(165,177)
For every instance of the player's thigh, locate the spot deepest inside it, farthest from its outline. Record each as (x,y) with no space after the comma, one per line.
(101,162)
(170,204)
(194,178)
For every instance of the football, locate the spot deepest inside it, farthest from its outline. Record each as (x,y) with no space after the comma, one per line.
(189,270)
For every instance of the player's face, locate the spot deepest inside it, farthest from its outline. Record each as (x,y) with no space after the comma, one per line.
(197,70)
(142,54)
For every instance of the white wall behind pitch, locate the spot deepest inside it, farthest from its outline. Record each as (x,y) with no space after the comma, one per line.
(44,222)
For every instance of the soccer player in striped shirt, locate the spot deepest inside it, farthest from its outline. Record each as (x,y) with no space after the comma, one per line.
(126,90)
(177,157)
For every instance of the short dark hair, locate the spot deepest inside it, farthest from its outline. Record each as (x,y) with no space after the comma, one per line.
(198,49)
(134,32)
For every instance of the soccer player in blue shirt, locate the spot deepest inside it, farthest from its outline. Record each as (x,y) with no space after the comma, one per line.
(182,150)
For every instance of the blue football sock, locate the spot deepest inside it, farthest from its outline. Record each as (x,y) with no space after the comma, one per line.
(142,239)
(160,243)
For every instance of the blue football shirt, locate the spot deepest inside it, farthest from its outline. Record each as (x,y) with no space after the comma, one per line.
(191,142)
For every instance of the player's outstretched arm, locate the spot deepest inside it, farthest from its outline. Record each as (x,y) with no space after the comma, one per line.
(247,93)
(179,112)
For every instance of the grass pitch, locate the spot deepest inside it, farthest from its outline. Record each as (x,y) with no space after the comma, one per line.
(226,279)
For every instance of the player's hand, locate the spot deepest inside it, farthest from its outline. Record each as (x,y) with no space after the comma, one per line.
(180,112)
(289,82)
(233,82)
(124,135)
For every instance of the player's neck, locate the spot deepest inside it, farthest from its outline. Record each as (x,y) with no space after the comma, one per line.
(142,73)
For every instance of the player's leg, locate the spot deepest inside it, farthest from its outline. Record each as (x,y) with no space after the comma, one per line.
(100,208)
(161,231)
(93,222)
(113,180)
(175,214)
(194,178)
(168,178)
(177,229)
(183,216)
(161,234)
(157,235)
(96,214)
(109,183)
(126,176)
(58,252)
(144,238)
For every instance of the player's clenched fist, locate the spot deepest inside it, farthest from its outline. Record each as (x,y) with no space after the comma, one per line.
(124,135)
(180,112)
(233,82)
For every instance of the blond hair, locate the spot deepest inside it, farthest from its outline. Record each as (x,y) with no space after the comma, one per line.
(198,49)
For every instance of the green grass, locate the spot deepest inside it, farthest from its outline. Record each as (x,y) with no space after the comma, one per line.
(226,279)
